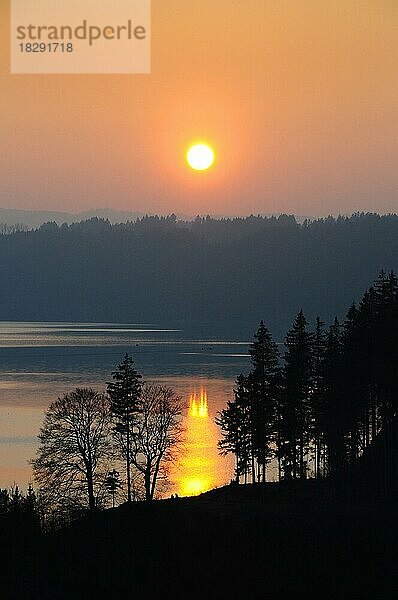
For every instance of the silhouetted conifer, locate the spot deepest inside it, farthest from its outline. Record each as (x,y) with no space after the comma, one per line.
(263,395)
(334,400)
(124,392)
(235,424)
(295,406)
(112,484)
(317,398)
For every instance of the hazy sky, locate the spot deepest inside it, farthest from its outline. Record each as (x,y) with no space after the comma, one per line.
(298,97)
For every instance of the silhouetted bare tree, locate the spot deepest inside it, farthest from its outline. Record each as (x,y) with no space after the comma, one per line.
(75,445)
(157,434)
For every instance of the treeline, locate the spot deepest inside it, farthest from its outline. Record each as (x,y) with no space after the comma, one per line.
(335,391)
(221,272)
(15,503)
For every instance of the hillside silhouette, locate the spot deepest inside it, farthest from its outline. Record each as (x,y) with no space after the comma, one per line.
(219,273)
(318,538)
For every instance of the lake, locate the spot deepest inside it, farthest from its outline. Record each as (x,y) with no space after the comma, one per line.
(41,361)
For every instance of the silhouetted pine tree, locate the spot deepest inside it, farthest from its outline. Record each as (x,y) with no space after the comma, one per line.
(4,501)
(263,395)
(316,399)
(253,437)
(295,406)
(333,423)
(124,393)
(366,351)
(16,499)
(386,348)
(352,381)
(234,422)
(112,484)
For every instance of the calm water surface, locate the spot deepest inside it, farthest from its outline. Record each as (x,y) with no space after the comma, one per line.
(41,361)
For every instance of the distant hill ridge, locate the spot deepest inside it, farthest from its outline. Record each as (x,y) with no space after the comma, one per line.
(35,218)
(30,219)
(226,273)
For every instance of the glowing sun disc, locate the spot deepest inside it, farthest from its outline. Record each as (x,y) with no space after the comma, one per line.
(200,157)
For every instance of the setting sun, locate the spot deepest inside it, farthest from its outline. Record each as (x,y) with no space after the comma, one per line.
(200,157)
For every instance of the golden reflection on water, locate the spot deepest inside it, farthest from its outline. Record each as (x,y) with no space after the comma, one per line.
(197,468)
(198,407)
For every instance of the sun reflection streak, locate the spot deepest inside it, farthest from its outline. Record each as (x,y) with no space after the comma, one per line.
(198,406)
(197,470)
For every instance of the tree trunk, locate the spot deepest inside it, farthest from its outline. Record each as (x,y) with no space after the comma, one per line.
(90,488)
(128,466)
(374,432)
(147,483)
(253,468)
(367,428)
(302,474)
(294,457)
(264,465)
(279,450)
(318,458)
(155,477)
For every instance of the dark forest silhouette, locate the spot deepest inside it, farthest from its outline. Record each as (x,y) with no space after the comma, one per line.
(334,393)
(222,272)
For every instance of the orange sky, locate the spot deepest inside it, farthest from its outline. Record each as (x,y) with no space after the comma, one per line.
(299,99)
